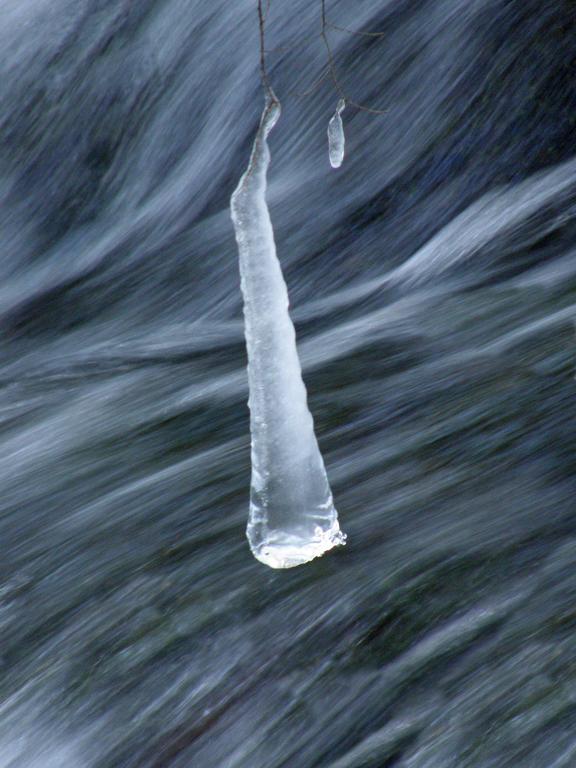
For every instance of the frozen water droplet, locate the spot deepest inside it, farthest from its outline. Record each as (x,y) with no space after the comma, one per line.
(336,138)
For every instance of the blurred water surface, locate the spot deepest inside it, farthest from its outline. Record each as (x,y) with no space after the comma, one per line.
(433,285)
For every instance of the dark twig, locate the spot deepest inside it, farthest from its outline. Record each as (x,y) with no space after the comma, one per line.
(285,48)
(355,32)
(332,67)
(331,64)
(313,87)
(263,71)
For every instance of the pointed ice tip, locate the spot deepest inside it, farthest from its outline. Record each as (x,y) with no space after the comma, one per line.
(336,162)
(288,552)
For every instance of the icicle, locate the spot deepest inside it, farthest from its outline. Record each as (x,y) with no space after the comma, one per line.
(292,517)
(336,139)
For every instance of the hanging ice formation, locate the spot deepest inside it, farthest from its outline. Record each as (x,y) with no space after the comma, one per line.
(292,517)
(336,140)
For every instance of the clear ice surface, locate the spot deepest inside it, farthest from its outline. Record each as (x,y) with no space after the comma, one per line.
(336,140)
(292,517)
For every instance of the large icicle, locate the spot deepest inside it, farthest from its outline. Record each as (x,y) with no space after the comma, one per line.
(292,517)
(336,139)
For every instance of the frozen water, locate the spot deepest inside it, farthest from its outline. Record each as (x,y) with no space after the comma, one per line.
(336,139)
(292,516)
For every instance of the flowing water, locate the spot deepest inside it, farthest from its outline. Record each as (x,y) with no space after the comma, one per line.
(433,286)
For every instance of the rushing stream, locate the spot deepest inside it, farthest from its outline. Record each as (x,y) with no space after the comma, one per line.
(432,281)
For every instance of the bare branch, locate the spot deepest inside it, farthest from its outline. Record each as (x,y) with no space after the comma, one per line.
(263,72)
(314,85)
(332,67)
(284,48)
(354,32)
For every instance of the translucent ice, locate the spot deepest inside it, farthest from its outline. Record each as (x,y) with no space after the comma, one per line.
(292,517)
(336,138)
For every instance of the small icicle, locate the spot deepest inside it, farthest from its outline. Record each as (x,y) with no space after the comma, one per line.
(336,138)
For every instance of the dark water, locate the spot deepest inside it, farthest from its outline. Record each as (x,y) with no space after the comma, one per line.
(433,284)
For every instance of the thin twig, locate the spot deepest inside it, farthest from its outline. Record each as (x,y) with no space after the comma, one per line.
(332,67)
(364,108)
(313,87)
(263,72)
(331,64)
(284,48)
(354,32)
